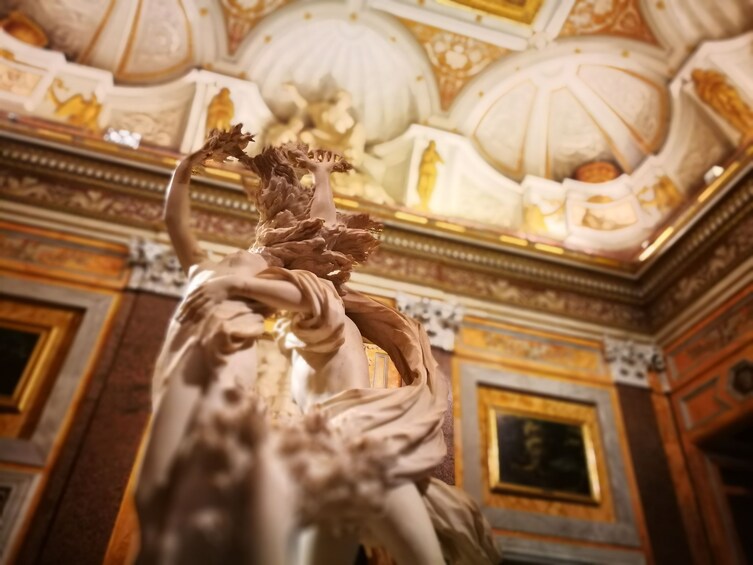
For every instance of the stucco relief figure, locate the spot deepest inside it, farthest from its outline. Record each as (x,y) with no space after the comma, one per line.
(712,87)
(535,217)
(220,111)
(427,174)
(330,124)
(221,482)
(76,110)
(665,196)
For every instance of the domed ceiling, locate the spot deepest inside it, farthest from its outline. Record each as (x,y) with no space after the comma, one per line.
(557,126)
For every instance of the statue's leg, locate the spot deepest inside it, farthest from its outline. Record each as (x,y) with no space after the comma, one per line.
(274,511)
(168,426)
(318,546)
(405,529)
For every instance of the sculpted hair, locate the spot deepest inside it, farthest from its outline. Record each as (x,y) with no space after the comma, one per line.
(287,236)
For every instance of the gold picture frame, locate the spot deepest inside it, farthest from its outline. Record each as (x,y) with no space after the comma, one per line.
(541,447)
(523,11)
(44,333)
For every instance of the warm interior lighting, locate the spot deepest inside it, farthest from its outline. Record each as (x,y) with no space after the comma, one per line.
(451,227)
(513,240)
(706,193)
(411,218)
(549,248)
(348,203)
(655,245)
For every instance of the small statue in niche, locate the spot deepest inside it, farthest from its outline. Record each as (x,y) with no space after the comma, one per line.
(713,89)
(76,110)
(220,482)
(427,174)
(220,111)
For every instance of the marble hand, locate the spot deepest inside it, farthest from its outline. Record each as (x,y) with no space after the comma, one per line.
(321,160)
(199,301)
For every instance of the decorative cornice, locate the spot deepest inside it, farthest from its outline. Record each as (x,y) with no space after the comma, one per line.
(729,212)
(440,319)
(224,197)
(131,193)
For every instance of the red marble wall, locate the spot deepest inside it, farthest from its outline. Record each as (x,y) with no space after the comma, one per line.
(76,515)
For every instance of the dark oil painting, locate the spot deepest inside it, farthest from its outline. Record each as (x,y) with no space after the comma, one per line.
(16,349)
(542,455)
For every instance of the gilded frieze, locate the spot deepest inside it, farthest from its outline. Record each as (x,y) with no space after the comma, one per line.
(490,286)
(691,352)
(32,250)
(537,350)
(704,273)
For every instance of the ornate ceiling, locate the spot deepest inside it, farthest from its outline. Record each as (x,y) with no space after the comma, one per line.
(580,127)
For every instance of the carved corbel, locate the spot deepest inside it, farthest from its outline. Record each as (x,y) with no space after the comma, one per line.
(155,269)
(630,362)
(440,319)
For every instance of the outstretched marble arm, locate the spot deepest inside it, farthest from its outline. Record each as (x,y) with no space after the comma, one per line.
(177,212)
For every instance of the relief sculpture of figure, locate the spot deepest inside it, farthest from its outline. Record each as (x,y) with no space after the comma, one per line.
(222,483)
(331,124)
(427,174)
(220,111)
(712,87)
(76,110)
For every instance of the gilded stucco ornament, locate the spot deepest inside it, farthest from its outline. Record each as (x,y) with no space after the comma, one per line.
(23,28)
(713,89)
(220,112)
(76,109)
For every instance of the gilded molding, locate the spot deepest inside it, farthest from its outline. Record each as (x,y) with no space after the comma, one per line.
(714,226)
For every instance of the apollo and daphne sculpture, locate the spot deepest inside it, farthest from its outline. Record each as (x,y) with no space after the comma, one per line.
(223,483)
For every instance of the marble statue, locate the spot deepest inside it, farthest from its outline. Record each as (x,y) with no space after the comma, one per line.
(220,111)
(712,88)
(427,174)
(223,483)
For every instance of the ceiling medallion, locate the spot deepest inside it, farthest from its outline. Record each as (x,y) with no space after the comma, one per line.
(523,11)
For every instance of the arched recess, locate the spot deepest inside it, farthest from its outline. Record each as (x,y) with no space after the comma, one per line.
(323,47)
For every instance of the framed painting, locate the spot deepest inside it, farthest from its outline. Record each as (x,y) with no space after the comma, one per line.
(543,449)
(33,341)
